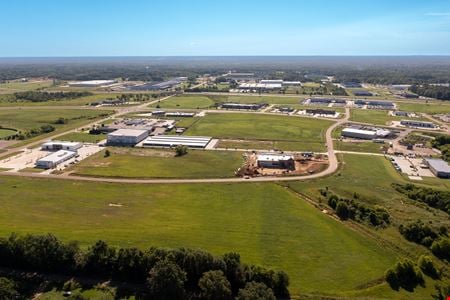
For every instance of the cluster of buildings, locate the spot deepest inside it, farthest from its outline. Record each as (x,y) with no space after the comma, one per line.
(243,106)
(320,101)
(374,104)
(319,112)
(61,152)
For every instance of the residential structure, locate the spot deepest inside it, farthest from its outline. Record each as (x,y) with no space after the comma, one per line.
(438,167)
(126,137)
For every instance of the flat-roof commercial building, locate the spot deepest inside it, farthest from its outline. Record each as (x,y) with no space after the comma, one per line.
(54,159)
(438,167)
(362,94)
(271,81)
(292,83)
(320,112)
(174,140)
(420,124)
(126,137)
(260,86)
(275,161)
(60,145)
(247,106)
(91,83)
(359,133)
(180,114)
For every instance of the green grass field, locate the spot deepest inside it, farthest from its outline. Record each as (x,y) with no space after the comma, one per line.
(185,102)
(261,127)
(440,107)
(148,163)
(372,116)
(265,223)
(369,147)
(4,133)
(11,87)
(6,100)
(82,137)
(271,145)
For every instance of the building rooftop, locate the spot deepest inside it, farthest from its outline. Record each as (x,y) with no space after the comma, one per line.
(273,157)
(57,156)
(438,164)
(361,131)
(128,132)
(63,143)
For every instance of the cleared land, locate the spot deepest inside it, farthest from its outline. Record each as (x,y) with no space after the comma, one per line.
(368,147)
(266,223)
(373,116)
(271,145)
(261,127)
(82,137)
(148,163)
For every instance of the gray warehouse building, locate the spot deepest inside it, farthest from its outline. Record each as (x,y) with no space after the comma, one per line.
(126,137)
(414,123)
(54,159)
(438,167)
(359,133)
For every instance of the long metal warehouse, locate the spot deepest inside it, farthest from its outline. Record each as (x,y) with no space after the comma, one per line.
(173,140)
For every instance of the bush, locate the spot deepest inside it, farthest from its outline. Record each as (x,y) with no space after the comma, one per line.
(181,150)
(8,289)
(405,274)
(427,266)
(254,290)
(441,248)
(342,210)
(214,285)
(107,153)
(166,281)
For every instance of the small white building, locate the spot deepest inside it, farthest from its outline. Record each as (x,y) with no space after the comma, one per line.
(359,133)
(126,137)
(275,161)
(54,159)
(61,145)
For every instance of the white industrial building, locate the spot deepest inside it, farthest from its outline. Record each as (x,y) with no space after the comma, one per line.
(438,167)
(359,133)
(91,83)
(174,140)
(126,137)
(54,159)
(420,124)
(61,145)
(260,86)
(275,161)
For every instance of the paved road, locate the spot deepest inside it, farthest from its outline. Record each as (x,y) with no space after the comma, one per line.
(332,167)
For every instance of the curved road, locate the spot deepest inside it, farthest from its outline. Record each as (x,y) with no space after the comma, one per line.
(332,167)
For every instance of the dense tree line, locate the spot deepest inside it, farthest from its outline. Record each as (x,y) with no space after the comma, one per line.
(436,240)
(405,274)
(355,210)
(168,273)
(36,96)
(433,198)
(431,91)
(442,142)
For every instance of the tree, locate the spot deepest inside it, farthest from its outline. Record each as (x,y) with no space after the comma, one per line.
(214,285)
(166,280)
(441,248)
(107,153)
(255,290)
(405,274)
(427,266)
(7,289)
(342,210)
(181,150)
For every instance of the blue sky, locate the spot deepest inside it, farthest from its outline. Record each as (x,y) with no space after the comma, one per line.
(207,27)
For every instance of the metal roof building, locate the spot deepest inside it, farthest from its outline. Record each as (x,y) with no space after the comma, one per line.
(359,133)
(54,159)
(414,123)
(275,160)
(438,167)
(61,145)
(126,136)
(174,140)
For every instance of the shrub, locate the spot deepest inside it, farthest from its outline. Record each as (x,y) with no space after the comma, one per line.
(342,210)
(214,286)
(441,248)
(427,266)
(254,290)
(405,274)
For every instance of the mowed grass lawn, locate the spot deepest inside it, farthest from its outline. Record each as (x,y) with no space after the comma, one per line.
(4,133)
(264,222)
(372,116)
(431,108)
(261,127)
(148,163)
(82,137)
(185,102)
(6,100)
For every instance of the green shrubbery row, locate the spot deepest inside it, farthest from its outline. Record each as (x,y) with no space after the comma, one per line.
(433,198)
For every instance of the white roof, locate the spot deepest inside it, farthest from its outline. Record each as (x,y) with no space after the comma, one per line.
(438,164)
(273,157)
(128,132)
(261,85)
(360,131)
(63,143)
(57,156)
(173,140)
(92,82)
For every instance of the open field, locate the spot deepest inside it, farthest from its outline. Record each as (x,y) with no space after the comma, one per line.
(11,87)
(369,146)
(265,223)
(372,116)
(148,163)
(185,102)
(82,137)
(440,107)
(4,133)
(5,100)
(260,127)
(271,145)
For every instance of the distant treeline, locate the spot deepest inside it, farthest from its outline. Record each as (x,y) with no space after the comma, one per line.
(166,273)
(35,96)
(442,142)
(431,91)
